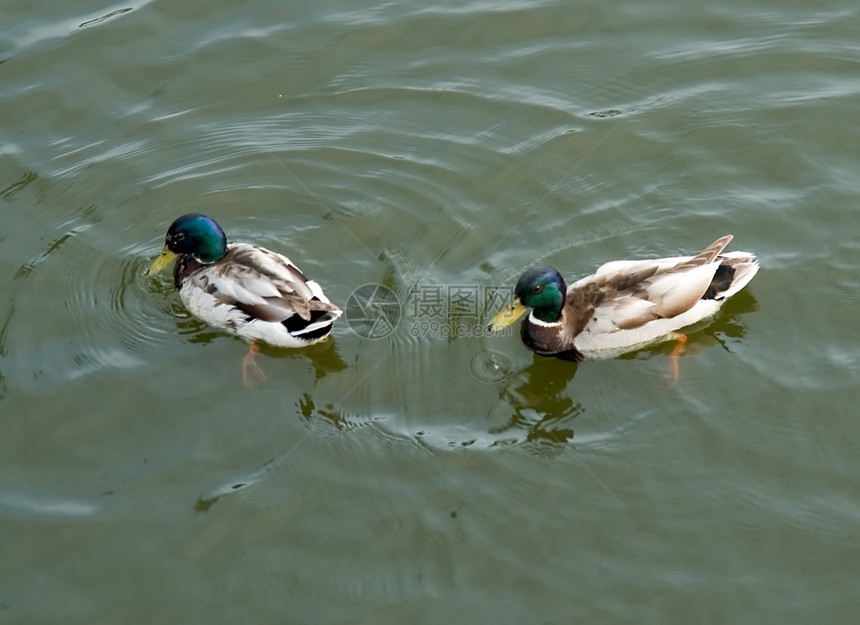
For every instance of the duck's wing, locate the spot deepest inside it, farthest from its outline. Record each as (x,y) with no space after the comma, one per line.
(625,295)
(263,284)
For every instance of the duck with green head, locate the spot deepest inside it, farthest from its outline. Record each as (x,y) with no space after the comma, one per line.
(625,304)
(244,289)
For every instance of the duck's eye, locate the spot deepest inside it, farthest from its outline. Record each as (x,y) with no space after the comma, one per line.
(179,236)
(538,289)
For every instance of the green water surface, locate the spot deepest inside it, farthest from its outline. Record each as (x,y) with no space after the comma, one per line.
(430,473)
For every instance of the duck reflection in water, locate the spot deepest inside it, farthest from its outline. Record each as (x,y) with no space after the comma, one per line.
(541,406)
(324,357)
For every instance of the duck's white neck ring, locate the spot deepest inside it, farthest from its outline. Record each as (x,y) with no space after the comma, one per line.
(543,324)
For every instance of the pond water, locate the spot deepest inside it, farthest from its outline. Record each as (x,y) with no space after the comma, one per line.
(418,156)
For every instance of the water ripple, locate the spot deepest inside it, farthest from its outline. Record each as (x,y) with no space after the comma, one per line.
(33,505)
(105,317)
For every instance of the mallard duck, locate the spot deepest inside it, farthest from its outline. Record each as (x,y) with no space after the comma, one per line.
(625,304)
(244,289)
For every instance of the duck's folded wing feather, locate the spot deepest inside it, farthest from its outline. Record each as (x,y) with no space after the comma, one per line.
(675,292)
(624,313)
(638,294)
(263,284)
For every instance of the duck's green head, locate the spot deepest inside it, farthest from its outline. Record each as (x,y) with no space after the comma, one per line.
(195,235)
(539,288)
(543,289)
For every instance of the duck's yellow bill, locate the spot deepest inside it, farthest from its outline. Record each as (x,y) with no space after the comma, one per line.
(162,262)
(507,316)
